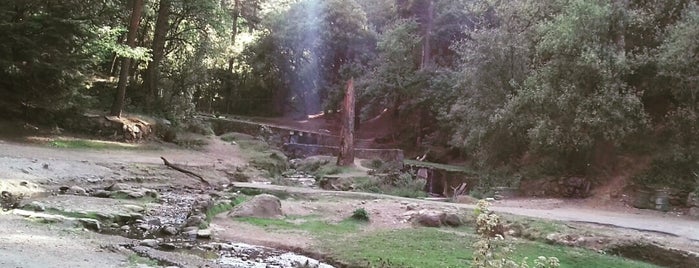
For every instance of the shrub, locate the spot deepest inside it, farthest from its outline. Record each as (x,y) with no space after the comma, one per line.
(491,250)
(408,186)
(360,214)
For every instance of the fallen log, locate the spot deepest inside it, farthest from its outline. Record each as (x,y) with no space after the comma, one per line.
(167,163)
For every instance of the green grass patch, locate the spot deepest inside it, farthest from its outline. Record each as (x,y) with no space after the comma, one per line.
(96,145)
(263,157)
(137,261)
(311,224)
(429,247)
(221,208)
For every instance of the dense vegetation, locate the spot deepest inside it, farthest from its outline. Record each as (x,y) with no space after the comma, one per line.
(565,84)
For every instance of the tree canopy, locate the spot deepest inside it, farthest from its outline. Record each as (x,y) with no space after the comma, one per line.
(504,83)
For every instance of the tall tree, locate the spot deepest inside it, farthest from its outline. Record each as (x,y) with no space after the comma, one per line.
(152,75)
(136,10)
(346,155)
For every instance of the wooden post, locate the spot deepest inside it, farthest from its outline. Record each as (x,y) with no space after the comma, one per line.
(346,155)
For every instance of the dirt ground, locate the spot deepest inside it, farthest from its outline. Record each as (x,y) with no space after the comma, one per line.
(33,169)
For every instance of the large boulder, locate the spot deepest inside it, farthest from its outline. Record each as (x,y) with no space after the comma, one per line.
(260,206)
(429,219)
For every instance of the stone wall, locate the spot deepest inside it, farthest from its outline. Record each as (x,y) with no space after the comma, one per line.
(295,150)
(275,135)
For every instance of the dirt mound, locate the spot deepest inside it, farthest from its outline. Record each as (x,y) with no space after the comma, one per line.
(260,206)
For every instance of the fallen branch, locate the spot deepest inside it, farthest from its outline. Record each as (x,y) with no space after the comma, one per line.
(167,163)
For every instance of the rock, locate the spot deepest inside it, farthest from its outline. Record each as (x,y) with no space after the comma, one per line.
(151,243)
(260,206)
(134,208)
(90,224)
(125,228)
(168,246)
(76,190)
(412,206)
(452,220)
(102,194)
(210,247)
(118,187)
(136,194)
(204,233)
(194,220)
(429,219)
(136,216)
(169,230)
(36,206)
(694,212)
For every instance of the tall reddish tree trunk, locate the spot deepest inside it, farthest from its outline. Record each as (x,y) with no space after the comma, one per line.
(118,105)
(346,155)
(152,75)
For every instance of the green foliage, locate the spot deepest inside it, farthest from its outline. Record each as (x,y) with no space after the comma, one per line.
(360,214)
(137,261)
(489,253)
(221,208)
(407,185)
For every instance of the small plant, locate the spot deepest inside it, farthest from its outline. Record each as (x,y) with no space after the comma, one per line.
(360,214)
(491,250)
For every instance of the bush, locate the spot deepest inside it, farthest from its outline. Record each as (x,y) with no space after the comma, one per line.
(408,186)
(360,214)
(491,250)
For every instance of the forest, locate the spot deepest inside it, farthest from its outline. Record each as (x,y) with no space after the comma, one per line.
(540,88)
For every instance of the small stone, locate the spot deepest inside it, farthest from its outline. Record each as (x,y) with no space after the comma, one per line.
(169,230)
(149,243)
(134,208)
(90,224)
(143,226)
(136,194)
(204,233)
(76,190)
(125,228)
(168,246)
(136,216)
(412,206)
(102,194)
(405,203)
(195,220)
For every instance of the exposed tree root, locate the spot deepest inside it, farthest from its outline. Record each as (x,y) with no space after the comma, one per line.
(167,163)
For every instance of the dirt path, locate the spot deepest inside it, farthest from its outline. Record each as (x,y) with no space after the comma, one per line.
(642,220)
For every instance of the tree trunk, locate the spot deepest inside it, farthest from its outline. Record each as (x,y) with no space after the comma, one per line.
(346,155)
(126,62)
(151,77)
